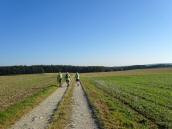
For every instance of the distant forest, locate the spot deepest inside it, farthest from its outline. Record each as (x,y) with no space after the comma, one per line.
(11,70)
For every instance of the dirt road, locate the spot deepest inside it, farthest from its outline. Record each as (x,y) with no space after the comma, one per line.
(40,116)
(81,114)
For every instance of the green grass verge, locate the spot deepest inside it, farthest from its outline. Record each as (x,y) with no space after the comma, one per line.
(16,111)
(62,116)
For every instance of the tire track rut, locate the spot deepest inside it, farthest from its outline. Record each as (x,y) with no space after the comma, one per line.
(40,116)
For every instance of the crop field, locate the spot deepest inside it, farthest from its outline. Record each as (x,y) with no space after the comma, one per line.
(19,93)
(136,99)
(18,87)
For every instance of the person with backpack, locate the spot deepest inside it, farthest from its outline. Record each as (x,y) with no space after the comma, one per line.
(67,77)
(59,79)
(77,77)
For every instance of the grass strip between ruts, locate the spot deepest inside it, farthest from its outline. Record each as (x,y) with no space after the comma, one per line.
(62,117)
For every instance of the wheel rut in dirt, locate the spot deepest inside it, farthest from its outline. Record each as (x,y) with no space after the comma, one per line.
(40,116)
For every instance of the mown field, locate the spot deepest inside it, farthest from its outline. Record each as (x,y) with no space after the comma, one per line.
(137,99)
(20,93)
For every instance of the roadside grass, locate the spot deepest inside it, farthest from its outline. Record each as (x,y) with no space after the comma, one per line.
(62,116)
(16,111)
(136,100)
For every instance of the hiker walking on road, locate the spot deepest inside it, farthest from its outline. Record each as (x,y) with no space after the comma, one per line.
(67,78)
(77,77)
(59,79)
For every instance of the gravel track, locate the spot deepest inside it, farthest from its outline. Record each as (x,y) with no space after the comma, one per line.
(81,114)
(40,116)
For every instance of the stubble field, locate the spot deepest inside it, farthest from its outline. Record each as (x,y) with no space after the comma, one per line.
(20,93)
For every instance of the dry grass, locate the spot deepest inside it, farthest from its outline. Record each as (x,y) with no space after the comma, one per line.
(16,88)
(129,72)
(19,94)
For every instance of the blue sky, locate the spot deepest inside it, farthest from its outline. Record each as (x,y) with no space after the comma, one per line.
(85,32)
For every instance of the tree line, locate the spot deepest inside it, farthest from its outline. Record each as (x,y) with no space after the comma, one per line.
(12,70)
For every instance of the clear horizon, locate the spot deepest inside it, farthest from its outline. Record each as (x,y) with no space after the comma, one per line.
(85,33)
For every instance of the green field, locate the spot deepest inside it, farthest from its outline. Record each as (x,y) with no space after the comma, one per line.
(20,93)
(137,99)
